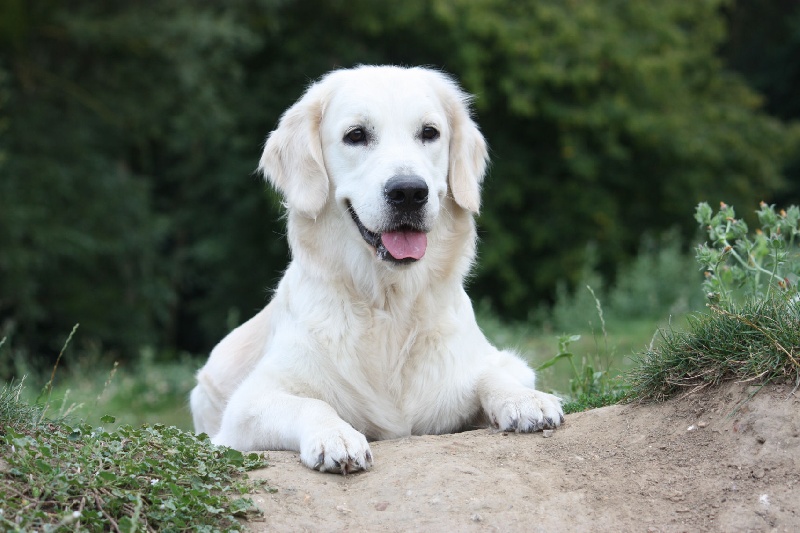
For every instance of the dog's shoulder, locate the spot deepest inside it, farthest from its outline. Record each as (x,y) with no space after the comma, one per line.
(238,353)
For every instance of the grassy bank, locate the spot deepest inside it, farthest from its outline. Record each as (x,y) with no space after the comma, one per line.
(58,474)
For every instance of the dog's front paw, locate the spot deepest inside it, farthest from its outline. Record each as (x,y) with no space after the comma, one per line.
(525,411)
(341,450)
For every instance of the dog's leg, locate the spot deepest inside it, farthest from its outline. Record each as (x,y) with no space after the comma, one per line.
(511,403)
(207,403)
(280,421)
(204,413)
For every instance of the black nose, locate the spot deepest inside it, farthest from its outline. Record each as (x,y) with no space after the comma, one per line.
(406,193)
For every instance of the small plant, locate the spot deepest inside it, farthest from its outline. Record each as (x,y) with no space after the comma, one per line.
(591,384)
(757,342)
(739,265)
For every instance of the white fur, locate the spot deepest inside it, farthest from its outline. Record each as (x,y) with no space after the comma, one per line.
(352,347)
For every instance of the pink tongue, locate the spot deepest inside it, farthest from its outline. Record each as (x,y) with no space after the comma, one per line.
(404,244)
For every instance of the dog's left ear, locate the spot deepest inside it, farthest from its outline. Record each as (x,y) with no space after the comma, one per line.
(292,160)
(469,154)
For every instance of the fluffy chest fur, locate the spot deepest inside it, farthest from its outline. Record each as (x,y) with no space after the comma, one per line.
(383,368)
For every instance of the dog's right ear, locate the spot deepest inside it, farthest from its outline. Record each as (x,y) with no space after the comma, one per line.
(292,160)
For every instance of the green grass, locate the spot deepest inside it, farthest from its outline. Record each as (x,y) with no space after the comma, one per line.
(147,390)
(14,412)
(593,349)
(58,475)
(604,325)
(608,352)
(584,402)
(757,342)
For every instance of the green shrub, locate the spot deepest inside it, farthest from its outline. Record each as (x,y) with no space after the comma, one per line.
(660,281)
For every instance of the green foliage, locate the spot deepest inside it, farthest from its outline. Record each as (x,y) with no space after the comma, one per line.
(152,389)
(130,132)
(584,402)
(14,413)
(85,478)
(128,190)
(764,40)
(591,384)
(753,330)
(607,118)
(658,282)
(574,309)
(742,266)
(590,387)
(763,44)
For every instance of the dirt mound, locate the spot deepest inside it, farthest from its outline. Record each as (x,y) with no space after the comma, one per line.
(709,462)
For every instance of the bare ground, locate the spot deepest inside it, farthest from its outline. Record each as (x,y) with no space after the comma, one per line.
(711,461)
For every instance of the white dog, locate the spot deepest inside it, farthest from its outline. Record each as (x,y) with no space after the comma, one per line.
(370,334)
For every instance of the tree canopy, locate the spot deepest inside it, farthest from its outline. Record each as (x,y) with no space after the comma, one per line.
(130,132)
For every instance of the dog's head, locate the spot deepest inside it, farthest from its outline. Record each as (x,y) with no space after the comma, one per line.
(385,146)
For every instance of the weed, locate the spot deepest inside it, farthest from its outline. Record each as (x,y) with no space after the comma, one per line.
(739,265)
(56,474)
(591,384)
(48,389)
(145,391)
(752,332)
(14,413)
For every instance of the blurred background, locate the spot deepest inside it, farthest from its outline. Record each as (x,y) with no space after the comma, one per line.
(130,132)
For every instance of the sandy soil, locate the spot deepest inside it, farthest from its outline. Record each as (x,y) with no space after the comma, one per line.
(707,462)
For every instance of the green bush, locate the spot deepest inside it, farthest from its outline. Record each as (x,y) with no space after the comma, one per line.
(742,266)
(660,281)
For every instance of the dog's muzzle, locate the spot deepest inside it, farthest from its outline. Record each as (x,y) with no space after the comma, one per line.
(404,239)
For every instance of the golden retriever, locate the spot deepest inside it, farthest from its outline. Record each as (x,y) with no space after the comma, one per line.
(370,334)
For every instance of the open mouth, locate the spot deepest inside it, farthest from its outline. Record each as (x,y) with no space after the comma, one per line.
(402,244)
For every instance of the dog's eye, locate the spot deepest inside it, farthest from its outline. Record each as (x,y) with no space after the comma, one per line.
(356,136)
(429,133)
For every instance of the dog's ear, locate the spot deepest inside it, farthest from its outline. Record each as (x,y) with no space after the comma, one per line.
(292,160)
(469,154)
